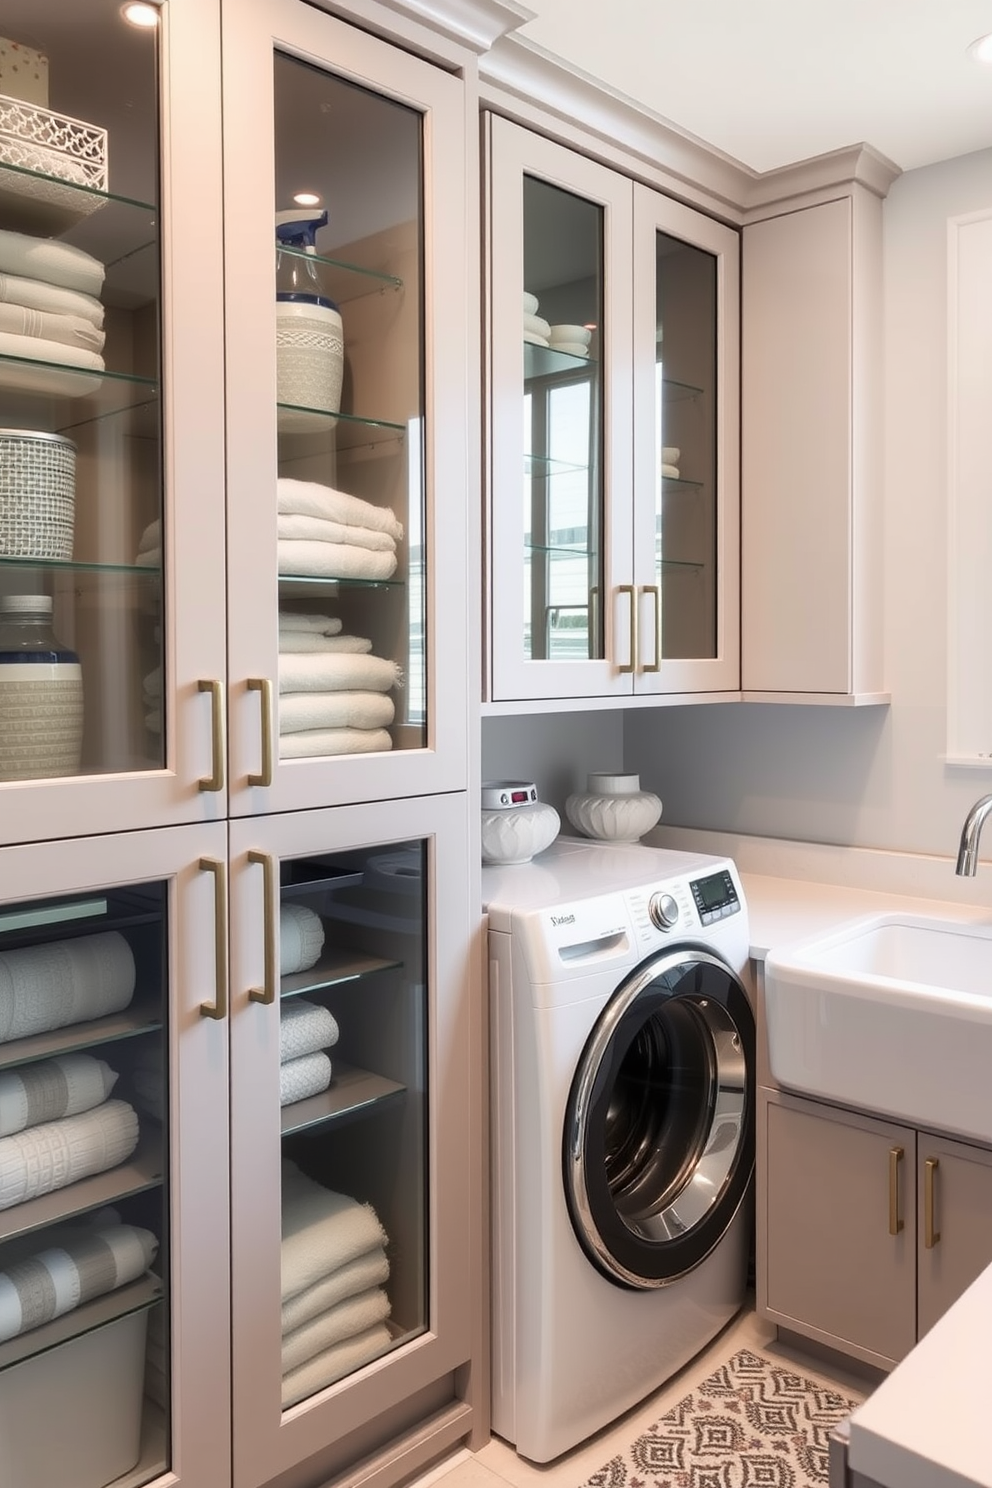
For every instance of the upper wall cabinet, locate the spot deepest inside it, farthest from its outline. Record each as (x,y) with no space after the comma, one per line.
(348,408)
(111,418)
(613,350)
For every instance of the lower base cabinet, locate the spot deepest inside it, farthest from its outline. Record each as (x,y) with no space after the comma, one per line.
(868,1229)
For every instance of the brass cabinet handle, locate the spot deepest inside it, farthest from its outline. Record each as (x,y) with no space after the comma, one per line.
(215,780)
(655,591)
(895,1158)
(267,994)
(930,1235)
(263,685)
(218,1008)
(631,590)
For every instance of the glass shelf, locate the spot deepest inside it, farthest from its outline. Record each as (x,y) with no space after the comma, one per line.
(352,1091)
(543,465)
(332,970)
(142,1170)
(344,431)
(121,1302)
(313,586)
(561,550)
(544,361)
(346,281)
(679,392)
(101,223)
(71,566)
(681,565)
(142,1016)
(676,483)
(57,398)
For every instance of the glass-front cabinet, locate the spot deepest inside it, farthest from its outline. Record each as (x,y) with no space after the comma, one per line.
(347,404)
(617,573)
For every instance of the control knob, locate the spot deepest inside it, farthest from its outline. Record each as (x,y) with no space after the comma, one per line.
(663,910)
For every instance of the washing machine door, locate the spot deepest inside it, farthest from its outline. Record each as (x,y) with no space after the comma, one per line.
(659,1131)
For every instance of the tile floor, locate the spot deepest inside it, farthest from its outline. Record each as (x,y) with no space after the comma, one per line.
(497,1464)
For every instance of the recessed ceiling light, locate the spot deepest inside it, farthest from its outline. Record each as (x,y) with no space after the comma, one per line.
(137,14)
(981,48)
(307,199)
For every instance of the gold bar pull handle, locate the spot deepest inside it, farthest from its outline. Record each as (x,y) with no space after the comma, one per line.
(263,685)
(631,590)
(218,748)
(930,1235)
(266,994)
(895,1158)
(655,592)
(218,1008)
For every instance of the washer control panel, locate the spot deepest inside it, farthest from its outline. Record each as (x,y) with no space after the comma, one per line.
(715,896)
(664,911)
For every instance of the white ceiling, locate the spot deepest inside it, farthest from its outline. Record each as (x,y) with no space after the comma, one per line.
(770,82)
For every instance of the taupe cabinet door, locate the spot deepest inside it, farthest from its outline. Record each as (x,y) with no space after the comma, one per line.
(954,1209)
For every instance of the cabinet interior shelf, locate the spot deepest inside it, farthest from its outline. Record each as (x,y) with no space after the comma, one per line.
(559,550)
(121,1302)
(101,223)
(142,1170)
(57,398)
(332,970)
(677,483)
(313,586)
(323,880)
(142,1016)
(345,431)
(543,465)
(71,565)
(352,1091)
(679,392)
(545,361)
(343,281)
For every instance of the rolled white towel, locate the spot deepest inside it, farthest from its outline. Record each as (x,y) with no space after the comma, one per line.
(49,1157)
(52,1088)
(69,981)
(670,454)
(537,326)
(299,622)
(33,349)
(50,299)
(310,499)
(85,1263)
(334,710)
(68,330)
(51,261)
(368,1270)
(322,743)
(294,527)
(305,1028)
(305,640)
(353,1316)
(333,560)
(670,472)
(301,939)
(334,1363)
(330,672)
(303,1077)
(321,1230)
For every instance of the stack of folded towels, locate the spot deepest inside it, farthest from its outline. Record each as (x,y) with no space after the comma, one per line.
(332,690)
(334,1306)
(306,1030)
(328,533)
(49,302)
(670,454)
(536,329)
(46,1275)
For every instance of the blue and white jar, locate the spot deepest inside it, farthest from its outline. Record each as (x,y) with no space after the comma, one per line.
(41,693)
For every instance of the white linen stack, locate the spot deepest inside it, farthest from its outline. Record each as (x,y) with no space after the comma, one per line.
(49,305)
(334,1305)
(670,454)
(149,554)
(332,690)
(326,532)
(536,329)
(306,1030)
(69,981)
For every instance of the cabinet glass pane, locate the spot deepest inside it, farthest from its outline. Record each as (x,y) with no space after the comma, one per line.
(350,389)
(685,448)
(562,481)
(80,370)
(84,1201)
(353,1093)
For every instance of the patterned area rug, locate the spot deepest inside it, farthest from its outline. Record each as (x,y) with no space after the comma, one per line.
(753,1423)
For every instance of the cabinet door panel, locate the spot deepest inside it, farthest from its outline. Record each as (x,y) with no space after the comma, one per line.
(954,1222)
(833,1267)
(348,402)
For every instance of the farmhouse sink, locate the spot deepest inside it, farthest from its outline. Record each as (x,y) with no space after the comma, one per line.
(892,1014)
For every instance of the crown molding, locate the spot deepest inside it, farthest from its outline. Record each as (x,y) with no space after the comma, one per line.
(476,24)
(856,165)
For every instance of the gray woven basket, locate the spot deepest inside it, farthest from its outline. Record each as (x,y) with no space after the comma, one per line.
(37,494)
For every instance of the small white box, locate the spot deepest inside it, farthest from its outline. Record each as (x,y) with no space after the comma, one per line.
(71,1417)
(23,72)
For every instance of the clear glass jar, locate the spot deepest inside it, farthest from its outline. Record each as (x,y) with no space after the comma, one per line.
(41,693)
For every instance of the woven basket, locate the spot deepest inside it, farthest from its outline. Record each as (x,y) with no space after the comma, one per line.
(37,494)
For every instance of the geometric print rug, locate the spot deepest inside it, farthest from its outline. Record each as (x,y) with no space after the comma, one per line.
(753,1423)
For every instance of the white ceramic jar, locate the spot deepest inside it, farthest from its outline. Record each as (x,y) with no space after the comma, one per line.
(613,808)
(41,693)
(515,834)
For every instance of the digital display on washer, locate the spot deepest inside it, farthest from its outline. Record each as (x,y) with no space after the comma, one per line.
(715,896)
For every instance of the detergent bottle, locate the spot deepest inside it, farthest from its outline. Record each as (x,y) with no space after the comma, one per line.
(309,336)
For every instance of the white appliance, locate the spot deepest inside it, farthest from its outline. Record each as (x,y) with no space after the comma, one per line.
(623,1128)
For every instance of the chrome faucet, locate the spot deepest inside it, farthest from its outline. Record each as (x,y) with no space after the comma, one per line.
(970,834)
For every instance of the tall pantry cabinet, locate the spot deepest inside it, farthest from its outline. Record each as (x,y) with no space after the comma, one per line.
(236,1118)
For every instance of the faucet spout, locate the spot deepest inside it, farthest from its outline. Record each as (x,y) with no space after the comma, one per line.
(971,833)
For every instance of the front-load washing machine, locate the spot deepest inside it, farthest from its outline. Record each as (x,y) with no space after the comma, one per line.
(622,1038)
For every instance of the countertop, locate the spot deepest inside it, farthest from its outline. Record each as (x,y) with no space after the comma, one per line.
(928,1424)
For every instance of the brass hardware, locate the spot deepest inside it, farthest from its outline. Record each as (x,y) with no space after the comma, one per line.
(215,780)
(655,591)
(895,1158)
(267,993)
(630,589)
(218,1008)
(930,1235)
(263,685)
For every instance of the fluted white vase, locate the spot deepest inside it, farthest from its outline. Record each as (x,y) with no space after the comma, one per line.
(515,835)
(613,808)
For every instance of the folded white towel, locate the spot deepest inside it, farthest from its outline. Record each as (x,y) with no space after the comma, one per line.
(670,454)
(320,743)
(151,538)
(671,472)
(537,325)
(333,560)
(49,1157)
(69,981)
(301,939)
(51,261)
(355,1315)
(533,339)
(321,1230)
(299,622)
(305,640)
(298,528)
(368,1270)
(151,558)
(50,299)
(83,1263)
(334,710)
(70,330)
(303,1077)
(51,1088)
(310,499)
(305,1028)
(36,350)
(334,1363)
(333,672)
